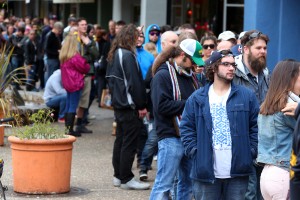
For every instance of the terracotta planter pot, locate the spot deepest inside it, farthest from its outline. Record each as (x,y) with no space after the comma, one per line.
(41,166)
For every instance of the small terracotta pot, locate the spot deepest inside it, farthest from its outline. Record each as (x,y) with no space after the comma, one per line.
(41,166)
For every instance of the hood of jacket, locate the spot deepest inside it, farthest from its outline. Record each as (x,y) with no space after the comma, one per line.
(158,43)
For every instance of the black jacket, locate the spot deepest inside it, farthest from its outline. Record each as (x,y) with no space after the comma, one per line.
(30,52)
(295,161)
(90,53)
(18,43)
(52,45)
(147,82)
(132,95)
(165,108)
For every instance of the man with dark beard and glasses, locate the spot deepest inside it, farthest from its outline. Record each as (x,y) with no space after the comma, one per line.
(252,72)
(219,132)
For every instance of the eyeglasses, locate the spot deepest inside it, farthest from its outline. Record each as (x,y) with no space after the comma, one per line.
(228,64)
(154,33)
(211,46)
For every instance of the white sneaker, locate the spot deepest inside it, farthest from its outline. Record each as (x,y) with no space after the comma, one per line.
(116,182)
(135,185)
(91,117)
(155,157)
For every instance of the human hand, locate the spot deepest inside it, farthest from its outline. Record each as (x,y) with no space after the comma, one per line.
(142,113)
(85,39)
(290,109)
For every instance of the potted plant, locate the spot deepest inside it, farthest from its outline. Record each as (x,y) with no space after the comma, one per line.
(7,77)
(41,156)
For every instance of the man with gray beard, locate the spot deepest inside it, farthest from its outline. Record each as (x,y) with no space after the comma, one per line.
(252,73)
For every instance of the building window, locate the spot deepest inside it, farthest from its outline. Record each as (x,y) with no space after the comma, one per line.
(209,15)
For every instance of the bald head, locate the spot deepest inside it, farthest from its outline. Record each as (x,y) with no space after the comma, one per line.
(224,45)
(169,38)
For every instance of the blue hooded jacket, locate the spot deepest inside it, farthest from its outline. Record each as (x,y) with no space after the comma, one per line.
(158,43)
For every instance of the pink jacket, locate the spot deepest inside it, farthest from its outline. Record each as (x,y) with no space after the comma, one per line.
(73,71)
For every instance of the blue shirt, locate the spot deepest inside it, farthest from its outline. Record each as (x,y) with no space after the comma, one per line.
(145,60)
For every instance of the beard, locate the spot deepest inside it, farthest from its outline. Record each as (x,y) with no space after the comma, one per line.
(223,77)
(257,64)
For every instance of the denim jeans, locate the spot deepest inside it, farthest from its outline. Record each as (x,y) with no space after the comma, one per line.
(58,101)
(17,62)
(31,78)
(150,147)
(224,189)
(143,136)
(72,101)
(52,65)
(253,190)
(171,160)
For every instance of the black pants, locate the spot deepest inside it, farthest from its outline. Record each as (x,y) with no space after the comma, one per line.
(101,85)
(143,136)
(294,189)
(128,129)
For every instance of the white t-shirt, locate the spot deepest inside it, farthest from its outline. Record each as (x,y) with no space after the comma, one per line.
(221,136)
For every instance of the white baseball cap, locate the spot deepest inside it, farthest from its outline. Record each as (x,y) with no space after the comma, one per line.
(226,35)
(194,49)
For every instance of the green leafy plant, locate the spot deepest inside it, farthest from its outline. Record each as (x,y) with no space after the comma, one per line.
(7,77)
(41,126)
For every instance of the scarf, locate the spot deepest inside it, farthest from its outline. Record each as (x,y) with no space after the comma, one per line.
(176,89)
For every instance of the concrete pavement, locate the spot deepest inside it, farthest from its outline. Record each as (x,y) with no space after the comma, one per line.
(92,170)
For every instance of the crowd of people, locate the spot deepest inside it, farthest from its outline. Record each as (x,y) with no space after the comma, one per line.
(222,126)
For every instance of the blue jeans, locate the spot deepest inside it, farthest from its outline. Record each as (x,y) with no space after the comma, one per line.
(224,189)
(72,101)
(17,62)
(171,160)
(253,190)
(58,101)
(150,147)
(52,65)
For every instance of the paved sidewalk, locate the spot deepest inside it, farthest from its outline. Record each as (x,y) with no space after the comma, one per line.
(92,170)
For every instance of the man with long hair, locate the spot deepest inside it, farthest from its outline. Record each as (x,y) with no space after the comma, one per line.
(173,82)
(128,95)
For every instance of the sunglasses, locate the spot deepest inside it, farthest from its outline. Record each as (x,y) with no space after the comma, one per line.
(211,46)
(253,36)
(228,64)
(154,33)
